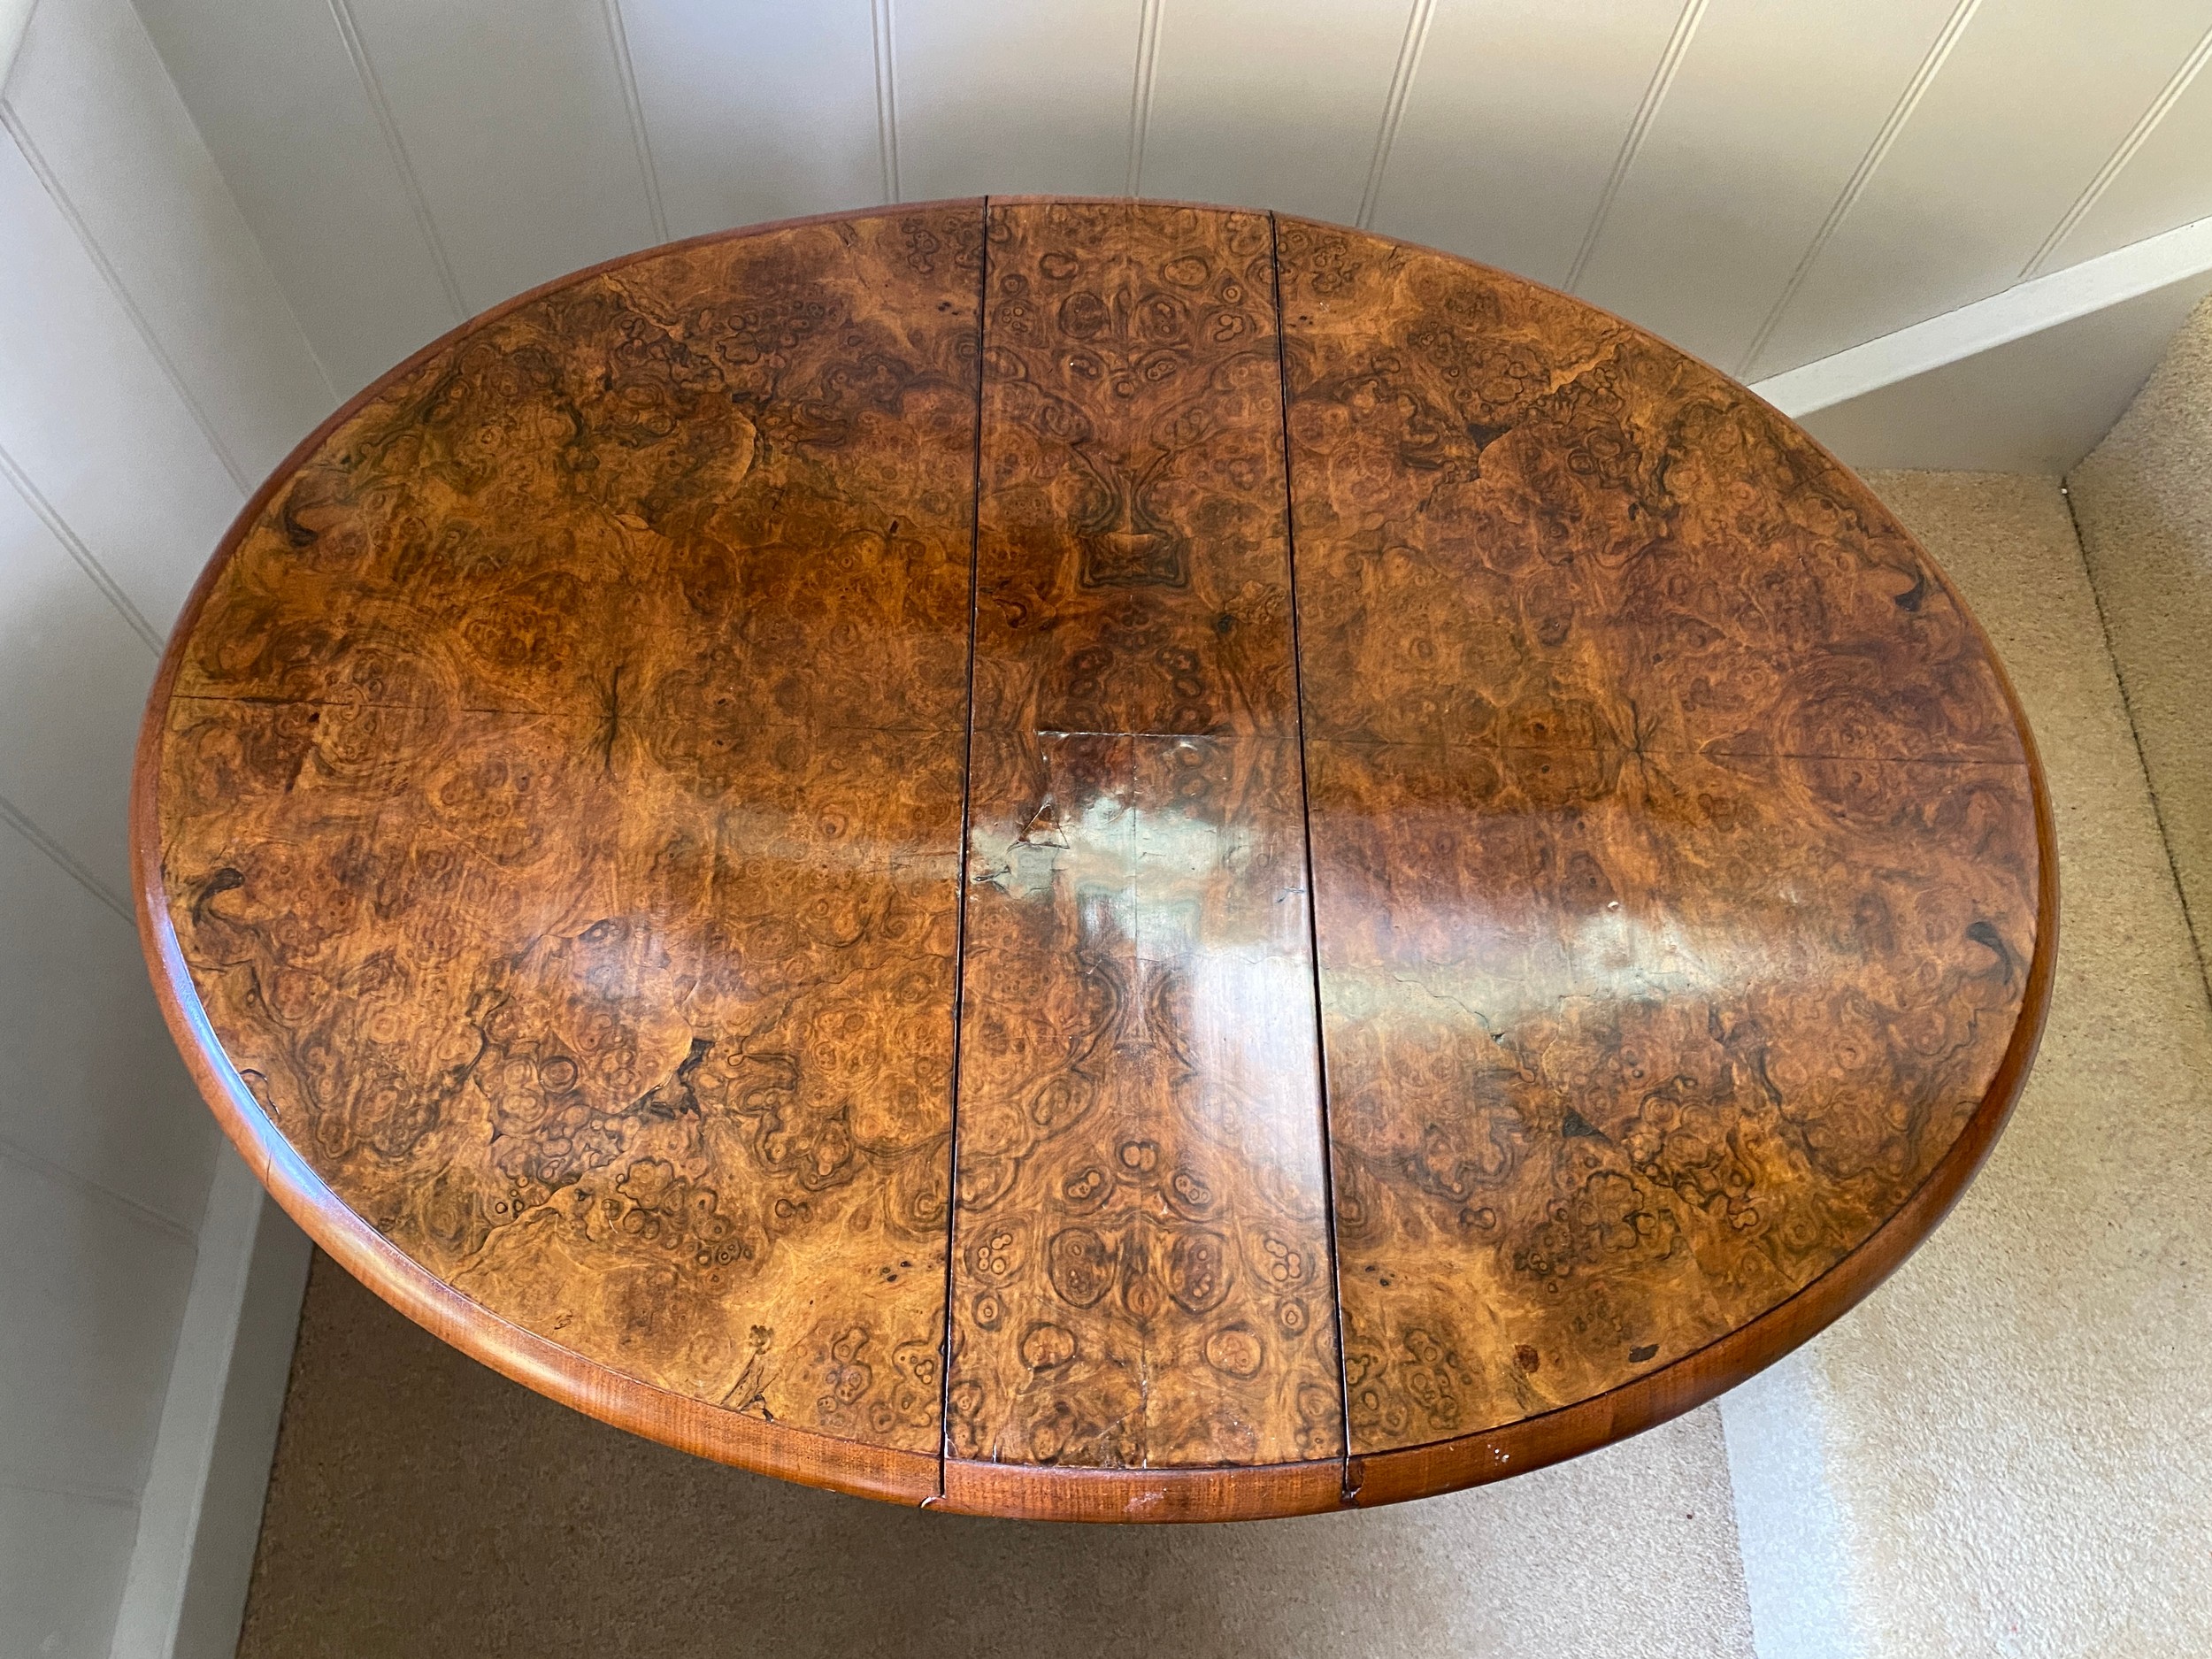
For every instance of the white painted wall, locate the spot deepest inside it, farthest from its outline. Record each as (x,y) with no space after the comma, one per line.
(150,370)
(2025,381)
(1764,182)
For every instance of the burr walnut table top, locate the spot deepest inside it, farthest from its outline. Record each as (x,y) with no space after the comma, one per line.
(1095,860)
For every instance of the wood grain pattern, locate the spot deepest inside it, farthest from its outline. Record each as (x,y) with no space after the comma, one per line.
(568,879)
(1676,864)
(730,750)
(1142,1271)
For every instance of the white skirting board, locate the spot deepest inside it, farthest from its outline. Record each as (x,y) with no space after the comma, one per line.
(1796,1571)
(201,1515)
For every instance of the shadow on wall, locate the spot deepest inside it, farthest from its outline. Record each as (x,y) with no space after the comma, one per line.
(422,1504)
(100,1091)
(104,1152)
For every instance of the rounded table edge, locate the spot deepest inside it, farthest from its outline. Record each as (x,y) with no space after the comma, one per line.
(1433,1468)
(613,1397)
(958,1485)
(856,1467)
(1046,1491)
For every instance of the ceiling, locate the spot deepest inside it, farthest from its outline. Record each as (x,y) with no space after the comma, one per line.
(1764,182)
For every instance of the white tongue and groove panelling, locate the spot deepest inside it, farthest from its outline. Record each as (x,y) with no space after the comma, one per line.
(97,438)
(1517,118)
(2030,101)
(151,372)
(757,112)
(515,124)
(1767,184)
(1007,99)
(146,195)
(2162,173)
(1272,102)
(276,95)
(1768,119)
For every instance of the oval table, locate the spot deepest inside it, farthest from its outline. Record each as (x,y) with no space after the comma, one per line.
(1091,859)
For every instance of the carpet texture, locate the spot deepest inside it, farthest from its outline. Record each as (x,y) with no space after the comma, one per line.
(2143,499)
(422,1505)
(2012,1427)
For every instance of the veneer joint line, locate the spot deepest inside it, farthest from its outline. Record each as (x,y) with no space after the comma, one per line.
(1305,822)
(960,895)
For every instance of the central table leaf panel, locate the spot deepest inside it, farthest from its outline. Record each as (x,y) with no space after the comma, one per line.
(1142,1270)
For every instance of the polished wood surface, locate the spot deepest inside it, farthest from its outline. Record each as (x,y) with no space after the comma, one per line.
(1675,905)
(1093,860)
(561,811)
(1140,1260)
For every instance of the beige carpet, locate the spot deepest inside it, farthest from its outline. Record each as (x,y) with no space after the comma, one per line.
(423,1506)
(2014,1423)
(2144,503)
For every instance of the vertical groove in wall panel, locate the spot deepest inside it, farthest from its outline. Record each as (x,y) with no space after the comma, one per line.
(342,14)
(1862,176)
(2137,135)
(1402,77)
(626,74)
(97,1192)
(119,1497)
(86,560)
(103,1285)
(21,822)
(887,96)
(1647,112)
(59,195)
(1140,90)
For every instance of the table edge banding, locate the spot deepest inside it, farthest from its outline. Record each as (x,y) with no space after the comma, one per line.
(1014,1490)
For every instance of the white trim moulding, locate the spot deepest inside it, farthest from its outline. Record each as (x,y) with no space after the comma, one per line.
(2027,308)
(200,1518)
